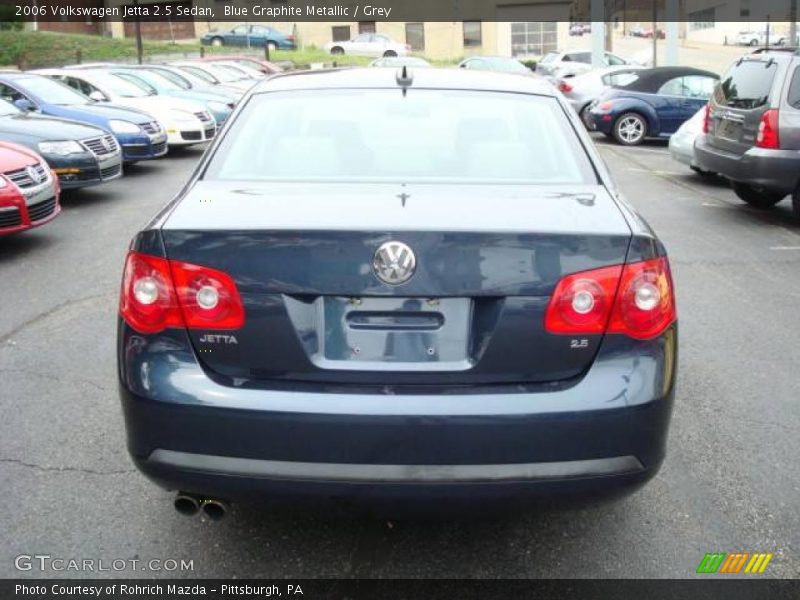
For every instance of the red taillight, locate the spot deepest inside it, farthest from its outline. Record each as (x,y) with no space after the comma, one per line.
(582,302)
(208,298)
(635,300)
(564,87)
(706,118)
(158,294)
(768,130)
(147,301)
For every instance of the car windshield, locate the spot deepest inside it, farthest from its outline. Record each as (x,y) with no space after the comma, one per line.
(199,73)
(549,57)
(53,92)
(747,84)
(183,82)
(218,74)
(385,136)
(508,65)
(235,73)
(119,86)
(154,80)
(8,109)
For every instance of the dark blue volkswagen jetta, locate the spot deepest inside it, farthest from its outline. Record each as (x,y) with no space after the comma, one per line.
(382,285)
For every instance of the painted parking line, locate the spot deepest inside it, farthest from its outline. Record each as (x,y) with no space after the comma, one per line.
(781,248)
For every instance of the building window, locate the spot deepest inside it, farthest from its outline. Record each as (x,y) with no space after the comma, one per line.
(702,19)
(366,27)
(533,39)
(341,33)
(415,36)
(472,34)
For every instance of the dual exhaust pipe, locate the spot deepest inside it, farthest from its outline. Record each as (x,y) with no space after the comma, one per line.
(189,504)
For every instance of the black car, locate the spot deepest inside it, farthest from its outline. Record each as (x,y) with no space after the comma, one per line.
(436,295)
(752,129)
(81,155)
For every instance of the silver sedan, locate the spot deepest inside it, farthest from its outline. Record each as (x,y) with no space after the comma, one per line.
(681,143)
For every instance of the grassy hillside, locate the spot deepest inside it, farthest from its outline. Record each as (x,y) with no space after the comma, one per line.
(44,49)
(30,50)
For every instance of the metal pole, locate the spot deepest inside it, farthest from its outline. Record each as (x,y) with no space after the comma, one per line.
(138,28)
(655,34)
(672,33)
(598,32)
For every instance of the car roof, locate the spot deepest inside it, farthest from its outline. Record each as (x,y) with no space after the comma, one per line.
(429,78)
(650,80)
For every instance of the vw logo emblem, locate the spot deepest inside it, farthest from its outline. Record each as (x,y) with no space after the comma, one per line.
(394,263)
(107,144)
(35,176)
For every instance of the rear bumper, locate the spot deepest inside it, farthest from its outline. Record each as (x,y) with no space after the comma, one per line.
(602,435)
(777,170)
(681,149)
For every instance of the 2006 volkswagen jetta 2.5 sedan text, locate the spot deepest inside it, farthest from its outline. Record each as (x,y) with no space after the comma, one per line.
(384,285)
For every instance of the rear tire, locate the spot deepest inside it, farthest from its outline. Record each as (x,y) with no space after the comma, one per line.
(584,116)
(796,201)
(755,196)
(754,42)
(272,46)
(630,129)
(217,42)
(389,54)
(337,50)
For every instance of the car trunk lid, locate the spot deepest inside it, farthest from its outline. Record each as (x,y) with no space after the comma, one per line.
(487,259)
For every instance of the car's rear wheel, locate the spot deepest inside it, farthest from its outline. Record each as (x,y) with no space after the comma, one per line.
(584,116)
(217,42)
(796,201)
(272,46)
(757,197)
(754,42)
(337,50)
(630,129)
(389,54)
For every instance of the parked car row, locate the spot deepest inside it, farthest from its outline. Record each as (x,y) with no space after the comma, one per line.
(79,125)
(743,126)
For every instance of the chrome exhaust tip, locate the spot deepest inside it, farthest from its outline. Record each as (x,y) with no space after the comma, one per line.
(214,509)
(186,504)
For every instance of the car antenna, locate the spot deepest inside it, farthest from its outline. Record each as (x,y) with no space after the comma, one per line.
(404,79)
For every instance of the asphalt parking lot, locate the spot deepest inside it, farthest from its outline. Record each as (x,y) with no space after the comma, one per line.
(730,482)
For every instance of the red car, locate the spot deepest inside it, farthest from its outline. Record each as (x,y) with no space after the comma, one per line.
(29,190)
(264,66)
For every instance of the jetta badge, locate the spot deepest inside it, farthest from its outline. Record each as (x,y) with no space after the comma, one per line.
(394,263)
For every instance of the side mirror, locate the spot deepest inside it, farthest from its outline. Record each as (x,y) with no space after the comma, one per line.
(96,96)
(25,104)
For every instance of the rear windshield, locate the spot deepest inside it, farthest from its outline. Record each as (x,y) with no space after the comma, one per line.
(384,136)
(746,85)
